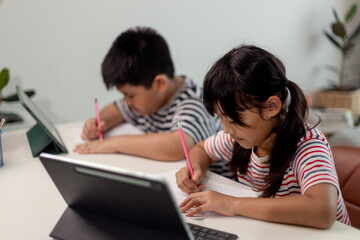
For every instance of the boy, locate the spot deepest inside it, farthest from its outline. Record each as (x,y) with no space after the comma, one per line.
(139,65)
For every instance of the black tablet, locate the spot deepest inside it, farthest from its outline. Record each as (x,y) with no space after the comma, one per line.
(113,203)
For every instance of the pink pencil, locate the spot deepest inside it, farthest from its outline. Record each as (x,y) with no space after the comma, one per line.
(98,118)
(2,123)
(185,150)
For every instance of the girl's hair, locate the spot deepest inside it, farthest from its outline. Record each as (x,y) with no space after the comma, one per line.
(245,78)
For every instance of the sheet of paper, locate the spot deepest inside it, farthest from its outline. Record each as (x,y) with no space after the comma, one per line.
(210,184)
(123,129)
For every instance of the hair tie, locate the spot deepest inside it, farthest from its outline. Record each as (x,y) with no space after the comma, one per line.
(287,101)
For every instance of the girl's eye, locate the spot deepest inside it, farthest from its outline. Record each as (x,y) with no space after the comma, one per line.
(231,121)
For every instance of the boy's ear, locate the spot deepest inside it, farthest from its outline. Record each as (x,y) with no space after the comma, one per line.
(161,82)
(272,107)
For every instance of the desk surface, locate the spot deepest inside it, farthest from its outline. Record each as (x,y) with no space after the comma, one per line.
(31,204)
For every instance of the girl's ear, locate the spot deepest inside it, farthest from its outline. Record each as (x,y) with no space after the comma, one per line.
(160,82)
(272,107)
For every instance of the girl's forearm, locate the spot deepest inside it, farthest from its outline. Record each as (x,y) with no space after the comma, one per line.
(318,210)
(199,158)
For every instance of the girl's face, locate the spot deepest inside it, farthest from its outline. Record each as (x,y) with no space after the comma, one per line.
(258,132)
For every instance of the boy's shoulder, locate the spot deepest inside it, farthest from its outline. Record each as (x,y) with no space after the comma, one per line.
(188,90)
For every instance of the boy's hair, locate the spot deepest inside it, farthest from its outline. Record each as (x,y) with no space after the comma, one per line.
(136,57)
(245,78)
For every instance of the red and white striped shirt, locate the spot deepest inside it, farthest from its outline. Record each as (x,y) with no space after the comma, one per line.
(312,164)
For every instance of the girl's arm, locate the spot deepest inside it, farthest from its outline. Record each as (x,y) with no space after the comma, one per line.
(316,208)
(200,162)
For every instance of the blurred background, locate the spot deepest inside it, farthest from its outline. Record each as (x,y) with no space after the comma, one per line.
(57,47)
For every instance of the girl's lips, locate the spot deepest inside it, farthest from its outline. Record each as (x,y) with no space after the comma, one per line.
(237,139)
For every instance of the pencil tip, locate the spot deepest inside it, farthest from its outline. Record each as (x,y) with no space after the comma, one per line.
(95,99)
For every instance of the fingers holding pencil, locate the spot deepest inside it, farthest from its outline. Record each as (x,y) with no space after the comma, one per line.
(194,178)
(187,183)
(91,129)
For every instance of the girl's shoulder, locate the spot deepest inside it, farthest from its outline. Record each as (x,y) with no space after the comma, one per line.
(312,133)
(313,143)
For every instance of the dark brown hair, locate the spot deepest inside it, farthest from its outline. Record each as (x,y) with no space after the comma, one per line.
(244,78)
(136,57)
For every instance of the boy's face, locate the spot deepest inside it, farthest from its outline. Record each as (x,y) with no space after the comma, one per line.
(141,100)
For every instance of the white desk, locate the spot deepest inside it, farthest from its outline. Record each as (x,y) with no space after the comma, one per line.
(30,204)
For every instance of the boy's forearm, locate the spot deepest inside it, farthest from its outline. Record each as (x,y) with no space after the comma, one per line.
(157,146)
(111,115)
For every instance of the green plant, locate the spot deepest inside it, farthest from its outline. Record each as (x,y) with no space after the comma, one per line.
(4,80)
(344,41)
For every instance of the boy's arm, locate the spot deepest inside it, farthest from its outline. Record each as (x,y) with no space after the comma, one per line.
(157,146)
(110,117)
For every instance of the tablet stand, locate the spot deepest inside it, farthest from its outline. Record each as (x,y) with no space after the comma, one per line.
(40,141)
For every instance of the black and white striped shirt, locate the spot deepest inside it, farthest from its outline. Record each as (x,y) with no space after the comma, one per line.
(185,106)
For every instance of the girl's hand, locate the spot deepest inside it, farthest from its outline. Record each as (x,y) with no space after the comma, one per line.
(91,129)
(208,201)
(95,146)
(188,184)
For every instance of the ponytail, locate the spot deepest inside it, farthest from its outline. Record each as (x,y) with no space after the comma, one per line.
(245,78)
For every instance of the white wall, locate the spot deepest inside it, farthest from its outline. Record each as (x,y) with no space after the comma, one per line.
(57,46)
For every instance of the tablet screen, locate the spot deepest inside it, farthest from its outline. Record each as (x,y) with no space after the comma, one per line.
(40,117)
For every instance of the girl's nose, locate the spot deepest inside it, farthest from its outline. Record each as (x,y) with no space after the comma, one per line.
(228,129)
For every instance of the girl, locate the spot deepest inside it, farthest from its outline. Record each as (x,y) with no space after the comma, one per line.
(268,144)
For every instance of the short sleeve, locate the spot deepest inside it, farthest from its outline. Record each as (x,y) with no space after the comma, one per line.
(314,164)
(127,114)
(219,146)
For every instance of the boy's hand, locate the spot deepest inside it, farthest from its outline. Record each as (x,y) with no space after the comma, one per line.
(91,129)
(188,184)
(95,146)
